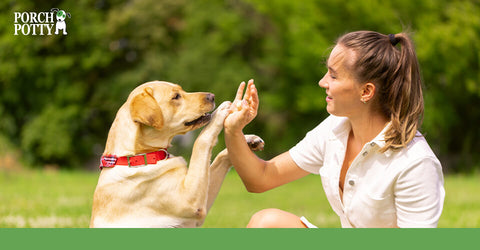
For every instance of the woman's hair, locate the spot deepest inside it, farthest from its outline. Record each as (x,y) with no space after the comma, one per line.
(395,72)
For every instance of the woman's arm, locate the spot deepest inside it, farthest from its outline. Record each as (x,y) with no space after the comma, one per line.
(419,194)
(257,175)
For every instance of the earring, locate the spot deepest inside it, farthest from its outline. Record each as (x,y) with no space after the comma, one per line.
(363,100)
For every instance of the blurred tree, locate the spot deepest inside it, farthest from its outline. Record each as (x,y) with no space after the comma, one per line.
(59,94)
(449,50)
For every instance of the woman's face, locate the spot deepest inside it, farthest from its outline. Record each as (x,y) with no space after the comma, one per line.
(343,91)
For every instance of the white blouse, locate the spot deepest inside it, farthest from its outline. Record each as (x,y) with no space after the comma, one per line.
(401,188)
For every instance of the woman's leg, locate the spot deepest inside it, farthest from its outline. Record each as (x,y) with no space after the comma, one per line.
(275,218)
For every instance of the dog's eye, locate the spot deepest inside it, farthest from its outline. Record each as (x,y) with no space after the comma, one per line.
(176,96)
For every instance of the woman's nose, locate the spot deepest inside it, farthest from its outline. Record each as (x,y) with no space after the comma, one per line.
(323,83)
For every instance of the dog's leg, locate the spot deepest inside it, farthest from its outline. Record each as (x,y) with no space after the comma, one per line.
(221,165)
(218,170)
(195,186)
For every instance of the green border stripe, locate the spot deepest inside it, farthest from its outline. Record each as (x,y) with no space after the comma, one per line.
(405,239)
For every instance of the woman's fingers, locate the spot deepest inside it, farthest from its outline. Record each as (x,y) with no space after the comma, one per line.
(254,98)
(243,111)
(238,97)
(250,97)
(248,91)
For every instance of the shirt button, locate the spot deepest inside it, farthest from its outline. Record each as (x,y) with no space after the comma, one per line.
(364,153)
(351,182)
(372,144)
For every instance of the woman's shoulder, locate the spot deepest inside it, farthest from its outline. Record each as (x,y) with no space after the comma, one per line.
(419,143)
(418,150)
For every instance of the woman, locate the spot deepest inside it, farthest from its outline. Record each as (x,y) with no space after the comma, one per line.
(377,170)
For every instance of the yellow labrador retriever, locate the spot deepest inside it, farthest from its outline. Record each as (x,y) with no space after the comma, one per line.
(140,184)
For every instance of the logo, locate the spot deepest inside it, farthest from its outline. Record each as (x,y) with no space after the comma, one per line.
(41,23)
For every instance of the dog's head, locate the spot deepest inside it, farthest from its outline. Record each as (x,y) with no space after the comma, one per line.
(61,14)
(166,106)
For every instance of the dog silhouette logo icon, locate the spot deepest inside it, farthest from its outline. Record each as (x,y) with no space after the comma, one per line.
(60,24)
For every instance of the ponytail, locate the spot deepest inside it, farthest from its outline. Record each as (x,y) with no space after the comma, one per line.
(390,62)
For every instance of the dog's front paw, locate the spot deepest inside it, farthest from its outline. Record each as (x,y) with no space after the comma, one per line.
(255,143)
(213,128)
(220,114)
(215,125)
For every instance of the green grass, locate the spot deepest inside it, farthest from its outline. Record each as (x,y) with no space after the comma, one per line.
(63,199)
(462,202)
(46,199)
(305,197)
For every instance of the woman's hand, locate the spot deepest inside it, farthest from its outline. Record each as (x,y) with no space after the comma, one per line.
(242,111)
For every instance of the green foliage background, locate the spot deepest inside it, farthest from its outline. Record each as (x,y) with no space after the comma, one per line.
(59,94)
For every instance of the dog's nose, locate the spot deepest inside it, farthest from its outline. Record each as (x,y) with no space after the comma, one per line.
(210,97)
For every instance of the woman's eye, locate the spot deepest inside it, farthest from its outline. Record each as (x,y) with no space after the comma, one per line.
(176,97)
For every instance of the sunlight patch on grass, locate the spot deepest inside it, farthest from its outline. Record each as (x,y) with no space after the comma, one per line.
(18,221)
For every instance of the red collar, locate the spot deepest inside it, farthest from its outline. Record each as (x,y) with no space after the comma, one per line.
(110,161)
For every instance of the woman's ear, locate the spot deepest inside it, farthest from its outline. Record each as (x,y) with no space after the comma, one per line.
(368,92)
(144,109)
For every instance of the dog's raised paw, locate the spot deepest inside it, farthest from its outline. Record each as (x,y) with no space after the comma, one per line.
(255,142)
(221,113)
(225,106)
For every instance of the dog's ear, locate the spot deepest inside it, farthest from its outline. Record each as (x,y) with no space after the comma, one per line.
(144,109)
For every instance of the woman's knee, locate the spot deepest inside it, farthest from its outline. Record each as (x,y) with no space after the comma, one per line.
(274,218)
(264,218)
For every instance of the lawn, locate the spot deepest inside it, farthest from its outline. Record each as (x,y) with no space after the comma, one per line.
(63,199)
